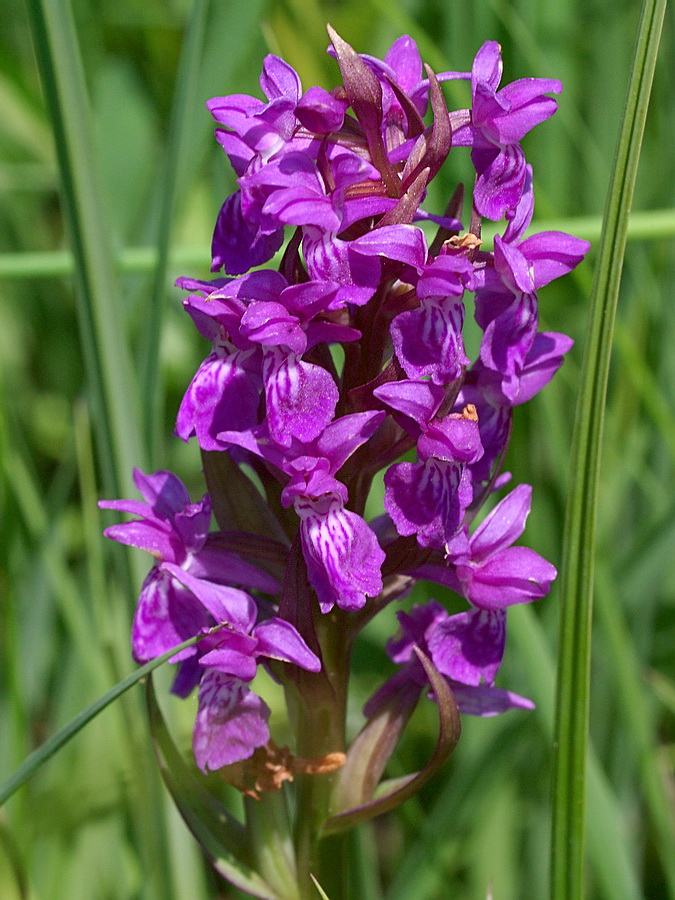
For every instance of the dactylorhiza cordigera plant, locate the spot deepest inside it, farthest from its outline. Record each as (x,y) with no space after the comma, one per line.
(323,372)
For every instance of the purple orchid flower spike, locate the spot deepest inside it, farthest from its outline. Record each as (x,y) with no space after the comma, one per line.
(324,378)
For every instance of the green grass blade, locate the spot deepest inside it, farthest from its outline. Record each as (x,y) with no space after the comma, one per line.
(569,777)
(63,735)
(102,337)
(179,146)
(649,225)
(638,717)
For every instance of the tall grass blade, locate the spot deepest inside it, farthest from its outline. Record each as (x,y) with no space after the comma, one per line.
(173,179)
(569,777)
(104,347)
(63,735)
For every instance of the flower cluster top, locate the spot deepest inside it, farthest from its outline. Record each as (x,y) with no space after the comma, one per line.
(339,361)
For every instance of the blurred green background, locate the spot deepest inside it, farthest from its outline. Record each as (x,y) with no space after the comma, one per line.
(95,822)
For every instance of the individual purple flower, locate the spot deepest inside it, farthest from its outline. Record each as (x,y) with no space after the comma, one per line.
(231,720)
(238,244)
(494,127)
(263,128)
(225,391)
(428,498)
(257,346)
(428,340)
(510,375)
(487,570)
(341,551)
(466,648)
(357,264)
(175,532)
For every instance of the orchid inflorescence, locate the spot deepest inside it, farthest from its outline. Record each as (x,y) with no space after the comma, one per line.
(328,369)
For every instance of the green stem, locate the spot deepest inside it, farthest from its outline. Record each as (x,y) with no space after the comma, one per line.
(320,731)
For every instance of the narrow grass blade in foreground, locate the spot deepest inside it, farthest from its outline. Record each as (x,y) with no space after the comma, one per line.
(567,843)
(56,741)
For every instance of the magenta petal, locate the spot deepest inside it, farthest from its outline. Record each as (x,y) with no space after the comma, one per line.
(427,499)
(149,536)
(166,615)
(446,276)
(330,259)
(485,700)
(469,647)
(418,400)
(269,323)
(231,722)
(521,216)
(428,341)
(231,661)
(345,435)
(320,112)
(214,564)
(514,575)
(487,65)
(278,639)
(223,396)
(454,439)
(543,360)
(526,90)
(301,397)
(135,507)
(501,180)
(404,58)
(405,243)
(238,244)
(503,525)
(298,206)
(553,254)
(226,604)
(513,266)
(342,553)
(192,524)
(163,490)
(507,341)
(279,79)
